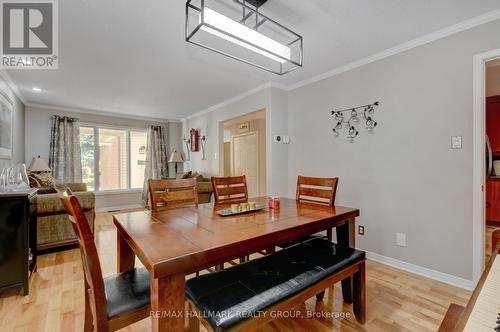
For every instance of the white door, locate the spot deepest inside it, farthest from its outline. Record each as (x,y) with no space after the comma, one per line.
(246,160)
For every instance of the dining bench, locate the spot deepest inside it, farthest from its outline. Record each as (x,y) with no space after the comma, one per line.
(251,294)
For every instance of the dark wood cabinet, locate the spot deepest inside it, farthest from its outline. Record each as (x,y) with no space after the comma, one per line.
(17,239)
(492,200)
(493,123)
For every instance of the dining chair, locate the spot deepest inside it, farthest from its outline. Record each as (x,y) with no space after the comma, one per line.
(231,189)
(172,194)
(113,302)
(316,190)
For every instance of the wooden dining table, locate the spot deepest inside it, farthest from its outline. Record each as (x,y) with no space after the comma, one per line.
(174,243)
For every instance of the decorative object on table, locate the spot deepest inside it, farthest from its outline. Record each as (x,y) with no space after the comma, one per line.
(14,179)
(260,41)
(175,157)
(274,202)
(241,208)
(6,126)
(65,158)
(349,118)
(156,158)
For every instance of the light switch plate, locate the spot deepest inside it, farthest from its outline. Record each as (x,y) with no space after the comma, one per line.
(286,139)
(401,239)
(456,142)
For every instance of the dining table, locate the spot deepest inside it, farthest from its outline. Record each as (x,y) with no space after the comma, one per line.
(174,243)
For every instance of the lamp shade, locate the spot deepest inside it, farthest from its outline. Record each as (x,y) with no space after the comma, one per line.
(39,165)
(175,157)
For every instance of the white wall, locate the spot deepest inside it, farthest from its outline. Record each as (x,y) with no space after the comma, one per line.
(404,177)
(271,99)
(18,126)
(38,143)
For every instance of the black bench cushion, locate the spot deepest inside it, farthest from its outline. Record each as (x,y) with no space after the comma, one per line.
(127,291)
(230,296)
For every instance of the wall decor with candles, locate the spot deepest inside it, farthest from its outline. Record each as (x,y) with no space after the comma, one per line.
(350,118)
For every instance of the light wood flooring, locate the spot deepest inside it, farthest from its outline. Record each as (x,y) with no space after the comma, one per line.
(396,300)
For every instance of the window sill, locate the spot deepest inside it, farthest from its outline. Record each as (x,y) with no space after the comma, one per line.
(117,192)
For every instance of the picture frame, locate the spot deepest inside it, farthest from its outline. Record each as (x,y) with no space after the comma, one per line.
(6,126)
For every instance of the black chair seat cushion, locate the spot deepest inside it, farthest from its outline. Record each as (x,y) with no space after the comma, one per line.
(127,291)
(230,296)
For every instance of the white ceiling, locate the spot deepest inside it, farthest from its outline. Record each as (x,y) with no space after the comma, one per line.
(130,57)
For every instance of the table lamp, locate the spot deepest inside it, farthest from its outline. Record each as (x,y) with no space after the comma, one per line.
(39,165)
(175,157)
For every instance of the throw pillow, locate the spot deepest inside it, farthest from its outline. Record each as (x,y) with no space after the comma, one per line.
(43,179)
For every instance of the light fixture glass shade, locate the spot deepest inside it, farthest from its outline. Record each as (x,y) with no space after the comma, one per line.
(175,157)
(240,31)
(39,165)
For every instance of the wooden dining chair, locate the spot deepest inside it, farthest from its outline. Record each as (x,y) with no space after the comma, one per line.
(229,190)
(317,190)
(113,302)
(171,194)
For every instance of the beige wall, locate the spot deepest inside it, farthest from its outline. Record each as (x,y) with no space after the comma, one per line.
(274,101)
(493,80)
(18,140)
(404,176)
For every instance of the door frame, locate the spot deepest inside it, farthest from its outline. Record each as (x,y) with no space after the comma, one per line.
(479,155)
(256,133)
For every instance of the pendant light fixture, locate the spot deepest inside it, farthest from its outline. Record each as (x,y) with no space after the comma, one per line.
(238,30)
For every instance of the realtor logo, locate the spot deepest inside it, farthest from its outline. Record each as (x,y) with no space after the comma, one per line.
(29,34)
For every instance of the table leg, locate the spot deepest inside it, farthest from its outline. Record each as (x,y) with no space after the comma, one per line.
(167,303)
(346,237)
(360,294)
(125,254)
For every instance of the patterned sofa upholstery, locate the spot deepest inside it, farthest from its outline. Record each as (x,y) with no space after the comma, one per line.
(53,226)
(204,185)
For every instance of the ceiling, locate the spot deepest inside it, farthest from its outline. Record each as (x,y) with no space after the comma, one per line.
(130,57)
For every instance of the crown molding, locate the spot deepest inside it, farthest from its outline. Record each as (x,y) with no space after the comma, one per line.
(429,38)
(6,77)
(98,112)
(236,98)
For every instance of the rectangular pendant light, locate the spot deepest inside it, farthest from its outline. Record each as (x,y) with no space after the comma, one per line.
(246,36)
(264,38)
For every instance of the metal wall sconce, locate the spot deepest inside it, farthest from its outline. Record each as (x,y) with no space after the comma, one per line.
(193,143)
(351,117)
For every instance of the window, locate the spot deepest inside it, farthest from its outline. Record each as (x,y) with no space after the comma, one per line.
(113,158)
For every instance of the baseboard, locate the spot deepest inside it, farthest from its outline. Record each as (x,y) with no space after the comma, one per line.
(117,208)
(422,271)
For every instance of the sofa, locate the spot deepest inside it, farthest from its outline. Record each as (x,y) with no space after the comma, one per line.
(54,229)
(204,185)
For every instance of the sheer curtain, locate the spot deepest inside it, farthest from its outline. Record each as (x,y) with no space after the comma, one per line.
(65,159)
(156,158)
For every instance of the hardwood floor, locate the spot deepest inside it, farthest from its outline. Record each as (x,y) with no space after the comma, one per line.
(396,300)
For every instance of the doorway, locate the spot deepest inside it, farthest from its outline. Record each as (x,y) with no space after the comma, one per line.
(480,163)
(493,152)
(244,150)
